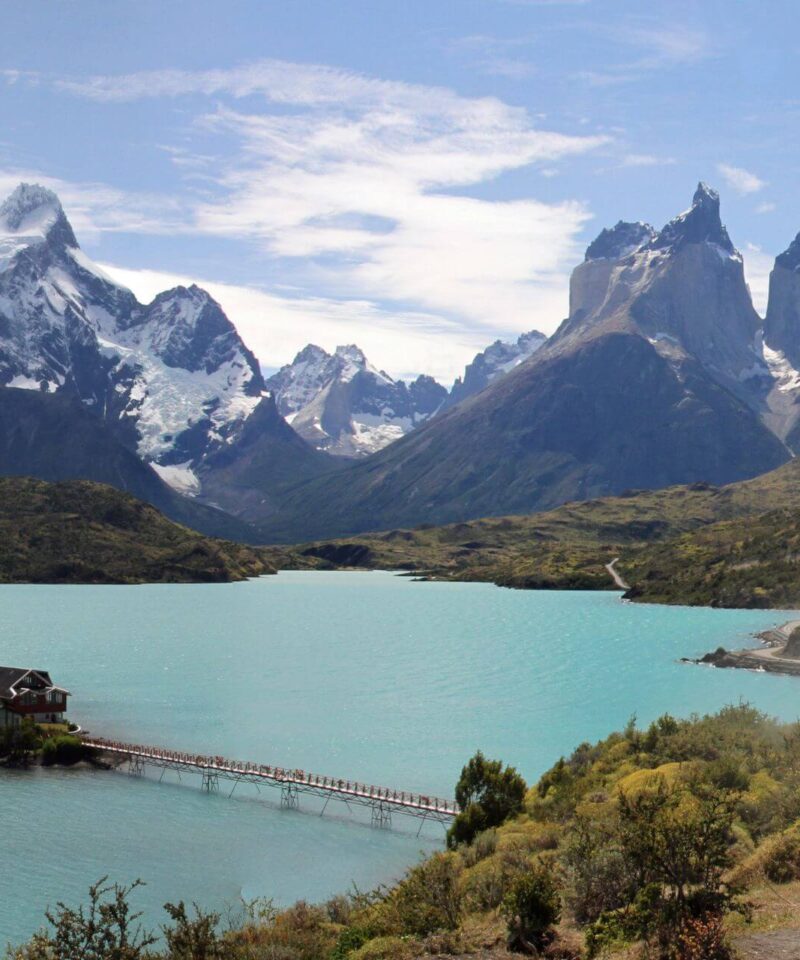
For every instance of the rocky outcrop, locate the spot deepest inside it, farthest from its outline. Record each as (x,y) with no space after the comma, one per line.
(682,288)
(496,360)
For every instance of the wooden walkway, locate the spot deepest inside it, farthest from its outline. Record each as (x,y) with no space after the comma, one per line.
(382,801)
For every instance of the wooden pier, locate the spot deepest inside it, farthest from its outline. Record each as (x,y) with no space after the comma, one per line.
(382,801)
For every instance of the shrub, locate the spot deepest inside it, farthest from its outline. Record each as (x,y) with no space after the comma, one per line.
(192,937)
(19,744)
(105,929)
(703,938)
(65,750)
(777,859)
(429,898)
(384,948)
(531,907)
(350,939)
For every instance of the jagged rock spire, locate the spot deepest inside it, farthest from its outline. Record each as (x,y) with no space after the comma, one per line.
(701,223)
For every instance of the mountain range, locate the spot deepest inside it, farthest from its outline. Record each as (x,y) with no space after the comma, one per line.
(657,377)
(662,373)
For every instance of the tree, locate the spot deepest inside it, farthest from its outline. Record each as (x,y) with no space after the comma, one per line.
(675,842)
(487,794)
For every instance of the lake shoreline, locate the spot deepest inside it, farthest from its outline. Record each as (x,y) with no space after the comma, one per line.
(764,659)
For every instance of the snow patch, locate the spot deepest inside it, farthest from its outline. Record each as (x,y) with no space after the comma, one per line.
(786,377)
(180,477)
(22,382)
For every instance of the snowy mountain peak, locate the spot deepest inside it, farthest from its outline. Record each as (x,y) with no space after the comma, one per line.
(172,378)
(701,223)
(705,194)
(343,404)
(351,352)
(311,353)
(34,212)
(618,241)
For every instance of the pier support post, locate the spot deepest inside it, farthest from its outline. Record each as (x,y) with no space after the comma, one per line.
(381,814)
(290,796)
(135,766)
(210,780)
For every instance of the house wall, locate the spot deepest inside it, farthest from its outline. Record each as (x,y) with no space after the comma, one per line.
(7,718)
(38,705)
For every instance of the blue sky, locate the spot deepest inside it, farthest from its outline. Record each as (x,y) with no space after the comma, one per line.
(416,177)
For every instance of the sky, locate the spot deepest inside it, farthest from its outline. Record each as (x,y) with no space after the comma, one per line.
(417,177)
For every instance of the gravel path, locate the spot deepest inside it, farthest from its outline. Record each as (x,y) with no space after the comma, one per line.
(778,945)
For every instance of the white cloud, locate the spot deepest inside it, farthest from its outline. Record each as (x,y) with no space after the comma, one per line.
(360,193)
(757,268)
(276,327)
(659,47)
(95,208)
(741,180)
(766,207)
(646,160)
(665,45)
(354,181)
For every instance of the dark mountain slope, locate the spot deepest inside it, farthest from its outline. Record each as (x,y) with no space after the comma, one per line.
(56,437)
(607,416)
(83,532)
(247,478)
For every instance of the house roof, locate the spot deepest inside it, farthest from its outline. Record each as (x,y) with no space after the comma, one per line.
(12,681)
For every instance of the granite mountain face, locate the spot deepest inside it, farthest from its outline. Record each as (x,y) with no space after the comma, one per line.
(782,346)
(657,377)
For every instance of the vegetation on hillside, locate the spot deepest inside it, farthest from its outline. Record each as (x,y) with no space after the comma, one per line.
(669,843)
(568,548)
(83,532)
(748,562)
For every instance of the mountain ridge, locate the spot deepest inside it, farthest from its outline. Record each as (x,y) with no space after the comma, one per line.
(653,380)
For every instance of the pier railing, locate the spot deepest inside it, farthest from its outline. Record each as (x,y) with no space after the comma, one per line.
(383,801)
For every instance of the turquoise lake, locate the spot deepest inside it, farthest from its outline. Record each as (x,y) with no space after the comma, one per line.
(361,675)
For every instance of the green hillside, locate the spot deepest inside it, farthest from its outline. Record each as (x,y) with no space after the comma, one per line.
(749,562)
(565,548)
(83,532)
